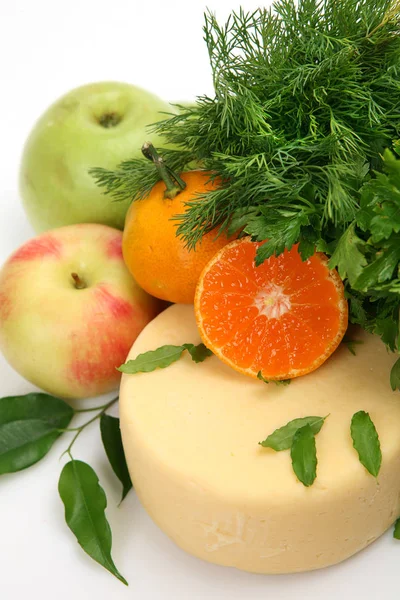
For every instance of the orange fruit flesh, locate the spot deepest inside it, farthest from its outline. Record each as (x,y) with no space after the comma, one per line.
(283,318)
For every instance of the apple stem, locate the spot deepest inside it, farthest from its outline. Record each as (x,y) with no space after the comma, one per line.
(79,283)
(173,183)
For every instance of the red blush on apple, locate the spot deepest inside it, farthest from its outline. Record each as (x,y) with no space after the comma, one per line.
(118,307)
(38,248)
(114,248)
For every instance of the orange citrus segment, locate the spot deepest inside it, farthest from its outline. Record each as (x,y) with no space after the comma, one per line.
(283,318)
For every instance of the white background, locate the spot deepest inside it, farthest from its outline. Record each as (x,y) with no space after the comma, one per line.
(46,49)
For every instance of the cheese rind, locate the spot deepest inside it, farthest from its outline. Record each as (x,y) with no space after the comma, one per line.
(191,434)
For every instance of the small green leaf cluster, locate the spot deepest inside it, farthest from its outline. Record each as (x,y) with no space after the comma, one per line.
(299,434)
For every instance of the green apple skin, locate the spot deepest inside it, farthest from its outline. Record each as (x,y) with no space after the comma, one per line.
(65,338)
(69,139)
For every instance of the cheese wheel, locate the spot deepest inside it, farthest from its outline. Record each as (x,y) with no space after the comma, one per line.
(191,433)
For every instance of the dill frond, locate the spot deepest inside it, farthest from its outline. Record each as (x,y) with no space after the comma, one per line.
(306,98)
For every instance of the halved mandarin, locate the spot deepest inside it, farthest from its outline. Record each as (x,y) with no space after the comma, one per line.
(283,318)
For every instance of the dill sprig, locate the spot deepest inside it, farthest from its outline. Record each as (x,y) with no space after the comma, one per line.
(306,99)
(134,178)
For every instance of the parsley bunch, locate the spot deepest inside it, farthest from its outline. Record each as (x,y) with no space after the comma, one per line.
(307,99)
(367,255)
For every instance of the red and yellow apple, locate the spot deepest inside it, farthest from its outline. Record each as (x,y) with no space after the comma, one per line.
(70,310)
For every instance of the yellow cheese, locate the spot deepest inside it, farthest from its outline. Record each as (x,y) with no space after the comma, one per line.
(191,434)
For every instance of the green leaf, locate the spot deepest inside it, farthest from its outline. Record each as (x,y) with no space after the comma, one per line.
(306,249)
(380,201)
(29,426)
(280,227)
(198,353)
(163,357)
(351,344)
(395,376)
(282,438)
(310,237)
(366,442)
(112,442)
(387,327)
(276,381)
(262,378)
(347,256)
(239,219)
(381,269)
(152,360)
(396,532)
(85,503)
(304,455)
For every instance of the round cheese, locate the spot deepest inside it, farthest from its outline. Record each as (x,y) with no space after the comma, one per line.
(191,434)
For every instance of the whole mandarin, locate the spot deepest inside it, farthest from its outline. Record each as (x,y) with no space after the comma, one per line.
(158,259)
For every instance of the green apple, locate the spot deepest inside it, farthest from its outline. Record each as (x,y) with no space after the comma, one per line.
(96,125)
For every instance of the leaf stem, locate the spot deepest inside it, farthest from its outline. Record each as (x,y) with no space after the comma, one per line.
(173,183)
(390,14)
(102,410)
(85,410)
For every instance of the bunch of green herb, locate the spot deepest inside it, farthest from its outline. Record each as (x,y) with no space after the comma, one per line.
(367,256)
(307,99)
